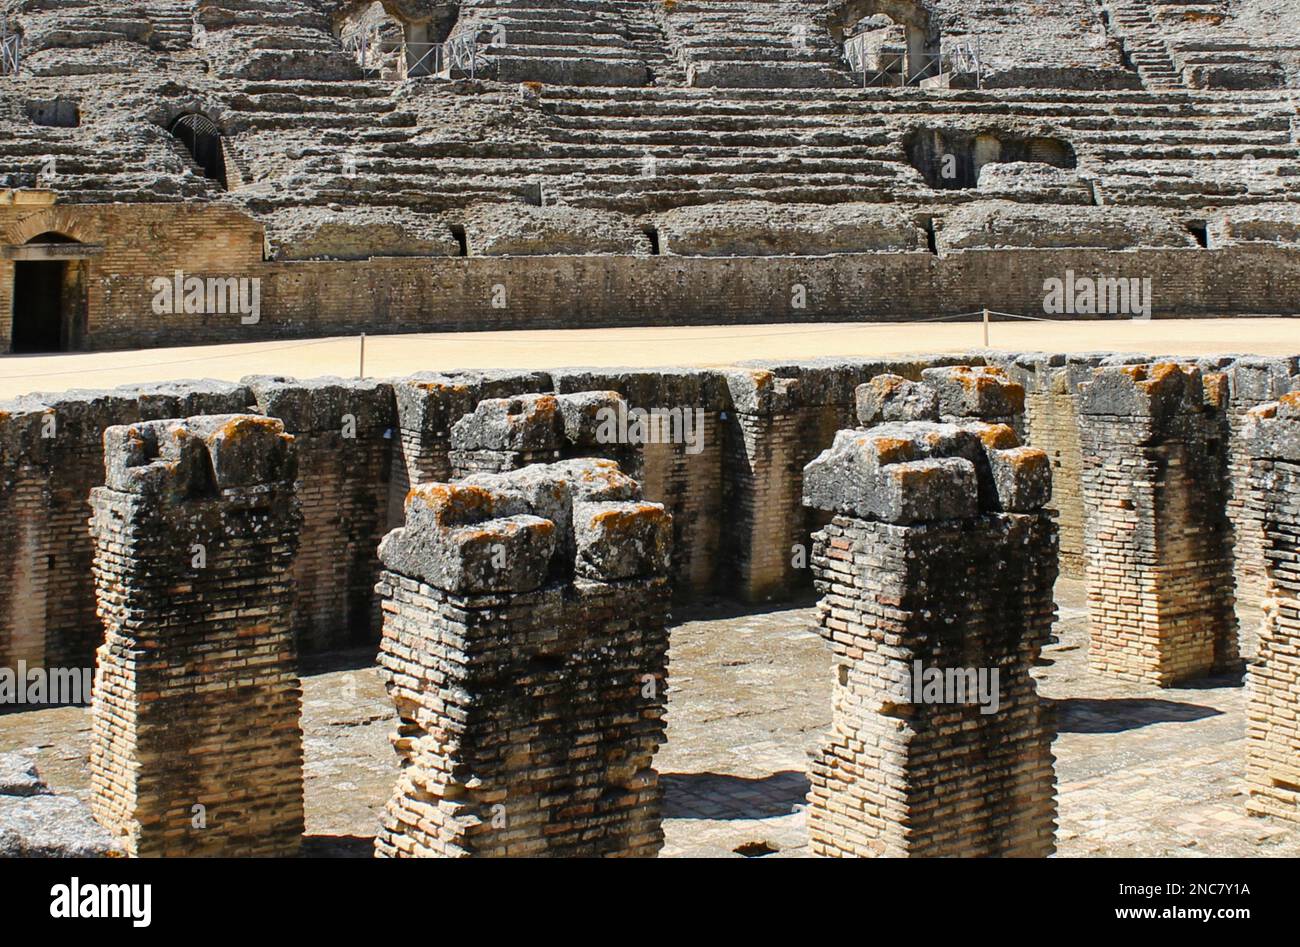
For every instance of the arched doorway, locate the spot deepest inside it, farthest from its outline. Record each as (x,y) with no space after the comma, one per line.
(886,35)
(49,295)
(202,139)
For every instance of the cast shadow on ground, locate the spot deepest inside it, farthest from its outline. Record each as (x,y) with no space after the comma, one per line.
(1117,714)
(338,846)
(725,797)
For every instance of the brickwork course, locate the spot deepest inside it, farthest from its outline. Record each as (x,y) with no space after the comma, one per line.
(197,746)
(940,558)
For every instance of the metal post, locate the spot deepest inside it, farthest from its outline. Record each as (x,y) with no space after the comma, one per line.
(362,376)
(986,327)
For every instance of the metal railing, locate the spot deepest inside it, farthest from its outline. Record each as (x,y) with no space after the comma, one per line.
(374,54)
(11,52)
(896,69)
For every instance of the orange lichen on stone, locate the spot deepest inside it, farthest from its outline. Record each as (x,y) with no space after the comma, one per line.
(1291,400)
(998,436)
(453,504)
(622,522)
(240,427)
(893,450)
(915,474)
(438,387)
(1158,374)
(1026,458)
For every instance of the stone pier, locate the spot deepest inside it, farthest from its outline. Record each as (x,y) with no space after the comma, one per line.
(1160,578)
(1272,439)
(936,576)
(196,747)
(525,646)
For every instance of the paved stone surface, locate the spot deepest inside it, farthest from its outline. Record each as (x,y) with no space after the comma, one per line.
(1142,771)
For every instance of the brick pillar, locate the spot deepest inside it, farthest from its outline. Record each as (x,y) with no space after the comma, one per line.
(778,426)
(196,747)
(525,646)
(1052,420)
(25,556)
(344,431)
(1272,440)
(938,564)
(1252,382)
(1160,586)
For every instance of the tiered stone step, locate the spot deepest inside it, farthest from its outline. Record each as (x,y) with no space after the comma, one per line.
(273,39)
(762,44)
(92,171)
(1143,42)
(584,42)
(173,23)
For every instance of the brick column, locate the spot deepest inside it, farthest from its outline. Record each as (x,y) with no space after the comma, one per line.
(196,747)
(1252,382)
(1160,584)
(525,646)
(1052,421)
(1272,440)
(344,431)
(938,566)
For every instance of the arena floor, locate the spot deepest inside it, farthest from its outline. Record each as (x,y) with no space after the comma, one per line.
(700,346)
(1141,771)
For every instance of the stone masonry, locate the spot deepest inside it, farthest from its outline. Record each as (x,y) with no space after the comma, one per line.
(1273,727)
(940,559)
(1160,582)
(196,746)
(525,646)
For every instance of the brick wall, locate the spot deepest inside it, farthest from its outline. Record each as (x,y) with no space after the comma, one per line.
(306,299)
(1272,441)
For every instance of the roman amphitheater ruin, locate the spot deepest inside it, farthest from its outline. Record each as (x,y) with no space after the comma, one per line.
(968,601)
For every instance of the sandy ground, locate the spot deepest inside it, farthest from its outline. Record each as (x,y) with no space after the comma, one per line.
(701,346)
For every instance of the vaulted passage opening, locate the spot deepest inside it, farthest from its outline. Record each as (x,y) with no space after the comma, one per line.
(397,38)
(892,39)
(47,300)
(202,139)
(953,158)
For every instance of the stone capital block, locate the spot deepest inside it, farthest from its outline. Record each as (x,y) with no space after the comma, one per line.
(893,398)
(985,392)
(925,472)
